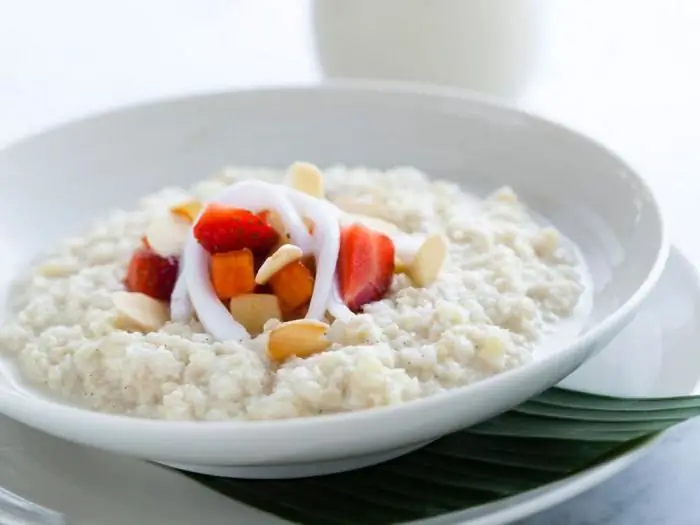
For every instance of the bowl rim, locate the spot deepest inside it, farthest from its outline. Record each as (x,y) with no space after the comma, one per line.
(61,410)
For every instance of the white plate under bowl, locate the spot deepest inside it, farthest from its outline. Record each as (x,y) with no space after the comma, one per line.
(93,487)
(56,183)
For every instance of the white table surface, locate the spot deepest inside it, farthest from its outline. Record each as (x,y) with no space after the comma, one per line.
(623,71)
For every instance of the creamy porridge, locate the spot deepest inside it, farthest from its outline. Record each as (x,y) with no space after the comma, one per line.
(352,290)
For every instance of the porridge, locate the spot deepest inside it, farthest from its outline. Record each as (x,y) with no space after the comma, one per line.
(260,294)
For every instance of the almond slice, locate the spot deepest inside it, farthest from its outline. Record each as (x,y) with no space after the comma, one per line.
(307,178)
(188,210)
(428,261)
(356,206)
(492,352)
(284,255)
(273,219)
(400,266)
(139,312)
(300,338)
(167,234)
(374,223)
(254,310)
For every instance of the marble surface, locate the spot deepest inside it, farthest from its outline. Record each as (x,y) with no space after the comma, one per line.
(623,71)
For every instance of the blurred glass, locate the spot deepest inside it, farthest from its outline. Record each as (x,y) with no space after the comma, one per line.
(483,45)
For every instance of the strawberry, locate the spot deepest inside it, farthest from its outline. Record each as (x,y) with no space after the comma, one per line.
(365,265)
(151,274)
(224,229)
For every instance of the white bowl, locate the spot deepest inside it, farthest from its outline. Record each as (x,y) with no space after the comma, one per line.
(53,184)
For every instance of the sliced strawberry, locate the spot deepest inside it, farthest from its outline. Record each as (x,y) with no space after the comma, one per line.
(151,274)
(365,265)
(224,229)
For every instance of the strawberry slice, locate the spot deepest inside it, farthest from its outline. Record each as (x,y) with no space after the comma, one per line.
(151,274)
(223,229)
(365,265)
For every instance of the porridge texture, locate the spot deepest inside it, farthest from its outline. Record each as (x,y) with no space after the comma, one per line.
(506,284)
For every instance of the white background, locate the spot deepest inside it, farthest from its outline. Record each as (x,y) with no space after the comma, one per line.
(626,72)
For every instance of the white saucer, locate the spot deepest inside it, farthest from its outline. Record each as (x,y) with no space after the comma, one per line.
(655,355)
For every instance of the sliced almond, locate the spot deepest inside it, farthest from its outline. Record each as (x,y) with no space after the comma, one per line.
(167,234)
(188,210)
(492,352)
(307,178)
(285,254)
(359,207)
(254,310)
(300,338)
(400,266)
(57,268)
(275,221)
(428,261)
(139,312)
(374,223)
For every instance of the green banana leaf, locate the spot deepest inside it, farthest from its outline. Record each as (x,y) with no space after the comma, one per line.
(547,438)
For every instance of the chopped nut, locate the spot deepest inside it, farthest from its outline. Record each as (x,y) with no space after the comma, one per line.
(187,210)
(400,266)
(492,352)
(300,338)
(139,312)
(284,255)
(428,261)
(273,218)
(373,223)
(307,178)
(167,234)
(359,207)
(57,269)
(254,310)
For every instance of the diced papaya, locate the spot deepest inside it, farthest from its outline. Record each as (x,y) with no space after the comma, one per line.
(293,285)
(298,313)
(233,273)
(187,210)
(310,262)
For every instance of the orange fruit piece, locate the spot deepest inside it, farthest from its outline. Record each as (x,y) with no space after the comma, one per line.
(233,273)
(293,285)
(297,313)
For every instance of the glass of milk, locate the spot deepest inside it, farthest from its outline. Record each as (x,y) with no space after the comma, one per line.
(483,45)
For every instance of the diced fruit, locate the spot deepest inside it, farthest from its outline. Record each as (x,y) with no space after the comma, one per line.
(310,262)
(285,254)
(306,178)
(187,210)
(293,285)
(297,313)
(167,234)
(428,261)
(254,310)
(223,229)
(151,274)
(365,265)
(138,312)
(232,273)
(300,338)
